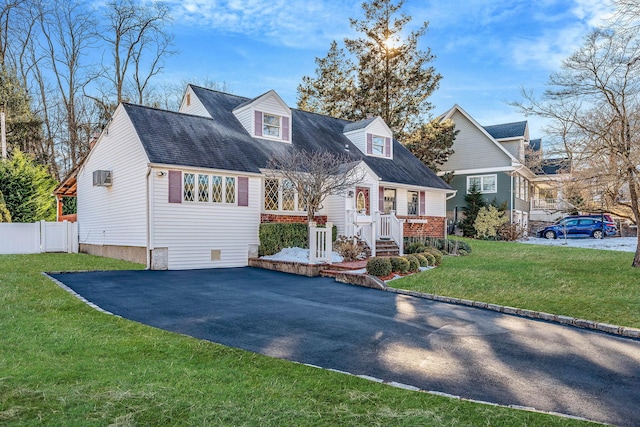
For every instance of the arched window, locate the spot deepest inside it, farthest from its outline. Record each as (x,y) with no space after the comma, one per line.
(361,202)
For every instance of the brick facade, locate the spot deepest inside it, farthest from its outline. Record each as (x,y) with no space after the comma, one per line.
(434,227)
(299,219)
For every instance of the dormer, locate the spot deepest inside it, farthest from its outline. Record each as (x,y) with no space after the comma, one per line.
(372,136)
(266,117)
(191,104)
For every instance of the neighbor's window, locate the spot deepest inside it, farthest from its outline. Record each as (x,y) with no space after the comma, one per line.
(484,183)
(270,125)
(389,200)
(377,145)
(412,202)
(189,187)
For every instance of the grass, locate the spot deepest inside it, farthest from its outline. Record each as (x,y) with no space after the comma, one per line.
(597,285)
(65,364)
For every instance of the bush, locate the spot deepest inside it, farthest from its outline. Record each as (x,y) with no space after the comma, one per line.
(399,264)
(437,255)
(379,266)
(414,264)
(424,262)
(431,260)
(351,248)
(488,222)
(414,248)
(275,236)
(511,232)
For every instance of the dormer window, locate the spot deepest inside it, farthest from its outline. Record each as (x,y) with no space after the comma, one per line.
(271,125)
(377,145)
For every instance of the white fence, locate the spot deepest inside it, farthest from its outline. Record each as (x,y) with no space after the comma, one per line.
(320,243)
(37,237)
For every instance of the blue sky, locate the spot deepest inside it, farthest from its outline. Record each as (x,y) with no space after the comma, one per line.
(486,50)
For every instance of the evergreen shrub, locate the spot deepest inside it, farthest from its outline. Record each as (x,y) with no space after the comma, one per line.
(379,266)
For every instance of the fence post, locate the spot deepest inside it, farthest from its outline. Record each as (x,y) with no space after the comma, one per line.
(43,236)
(313,239)
(328,243)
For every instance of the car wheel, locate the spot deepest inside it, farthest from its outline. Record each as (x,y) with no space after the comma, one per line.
(598,234)
(550,235)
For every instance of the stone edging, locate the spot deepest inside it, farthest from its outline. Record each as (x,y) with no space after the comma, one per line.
(623,331)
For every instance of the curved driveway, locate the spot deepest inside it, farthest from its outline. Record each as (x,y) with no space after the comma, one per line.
(465,351)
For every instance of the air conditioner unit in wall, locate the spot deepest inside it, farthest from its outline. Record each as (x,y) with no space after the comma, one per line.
(102,178)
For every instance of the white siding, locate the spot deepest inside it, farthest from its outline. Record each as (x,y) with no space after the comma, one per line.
(435,204)
(271,104)
(191,230)
(377,127)
(335,208)
(473,149)
(245,116)
(195,107)
(114,215)
(358,139)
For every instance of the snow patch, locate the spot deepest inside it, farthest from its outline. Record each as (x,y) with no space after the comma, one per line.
(625,244)
(297,255)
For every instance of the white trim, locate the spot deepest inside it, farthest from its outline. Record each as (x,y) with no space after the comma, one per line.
(205,170)
(458,172)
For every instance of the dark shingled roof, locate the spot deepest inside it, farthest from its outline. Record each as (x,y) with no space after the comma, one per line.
(535,144)
(506,130)
(222,143)
(555,166)
(358,125)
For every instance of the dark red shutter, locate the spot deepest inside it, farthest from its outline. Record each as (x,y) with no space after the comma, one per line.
(285,128)
(258,123)
(381,199)
(243,191)
(422,203)
(369,143)
(387,147)
(175,187)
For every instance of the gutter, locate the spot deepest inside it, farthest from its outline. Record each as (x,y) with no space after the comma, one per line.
(149,216)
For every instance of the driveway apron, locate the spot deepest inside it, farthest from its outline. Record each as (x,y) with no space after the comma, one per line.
(465,351)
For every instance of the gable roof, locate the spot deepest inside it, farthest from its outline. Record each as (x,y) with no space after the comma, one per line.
(536,144)
(222,143)
(507,130)
(351,126)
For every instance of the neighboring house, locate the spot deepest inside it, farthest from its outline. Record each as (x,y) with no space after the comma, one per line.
(188,189)
(492,158)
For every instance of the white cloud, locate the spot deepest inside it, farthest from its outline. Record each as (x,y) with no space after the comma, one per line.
(292,23)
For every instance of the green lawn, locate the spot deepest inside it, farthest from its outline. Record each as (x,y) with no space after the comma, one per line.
(591,284)
(64,364)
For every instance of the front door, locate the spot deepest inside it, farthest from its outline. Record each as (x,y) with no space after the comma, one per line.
(362,200)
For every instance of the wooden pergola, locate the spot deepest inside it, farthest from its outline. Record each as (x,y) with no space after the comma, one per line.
(67,188)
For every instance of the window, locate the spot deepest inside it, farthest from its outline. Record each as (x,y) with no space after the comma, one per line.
(216,189)
(484,183)
(189,188)
(377,145)
(230,192)
(270,125)
(203,188)
(413,202)
(282,196)
(389,200)
(361,202)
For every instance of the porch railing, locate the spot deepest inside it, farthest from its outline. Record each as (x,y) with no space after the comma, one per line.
(390,227)
(363,227)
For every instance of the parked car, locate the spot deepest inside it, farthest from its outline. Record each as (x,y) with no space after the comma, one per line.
(606,217)
(579,225)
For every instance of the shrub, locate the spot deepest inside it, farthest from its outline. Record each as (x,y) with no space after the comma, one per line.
(275,236)
(437,255)
(351,248)
(511,232)
(414,264)
(488,221)
(462,252)
(431,260)
(422,260)
(379,266)
(414,248)
(399,264)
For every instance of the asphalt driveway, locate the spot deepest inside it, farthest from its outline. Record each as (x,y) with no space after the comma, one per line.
(435,346)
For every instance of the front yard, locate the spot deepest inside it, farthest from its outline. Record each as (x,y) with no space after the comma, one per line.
(64,363)
(589,284)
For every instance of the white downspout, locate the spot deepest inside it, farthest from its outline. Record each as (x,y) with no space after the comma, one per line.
(149,200)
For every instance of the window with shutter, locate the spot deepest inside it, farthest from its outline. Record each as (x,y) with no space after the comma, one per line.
(175,187)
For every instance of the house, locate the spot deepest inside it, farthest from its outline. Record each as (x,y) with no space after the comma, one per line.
(189,189)
(493,159)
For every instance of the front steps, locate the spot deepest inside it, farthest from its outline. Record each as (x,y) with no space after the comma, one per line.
(387,247)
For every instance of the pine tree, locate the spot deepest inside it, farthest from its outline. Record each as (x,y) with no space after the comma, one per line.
(474,202)
(5,215)
(391,77)
(432,142)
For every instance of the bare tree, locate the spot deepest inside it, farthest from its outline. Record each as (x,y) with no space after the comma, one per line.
(315,175)
(596,95)
(138,43)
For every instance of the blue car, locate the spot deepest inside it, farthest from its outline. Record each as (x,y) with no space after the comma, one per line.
(578,226)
